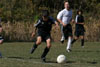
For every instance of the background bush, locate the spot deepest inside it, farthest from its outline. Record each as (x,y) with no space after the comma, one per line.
(18,17)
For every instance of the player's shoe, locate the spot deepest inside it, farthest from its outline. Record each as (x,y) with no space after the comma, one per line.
(62,40)
(82,46)
(69,50)
(43,59)
(0,55)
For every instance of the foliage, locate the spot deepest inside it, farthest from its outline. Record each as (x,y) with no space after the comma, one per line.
(20,15)
(25,10)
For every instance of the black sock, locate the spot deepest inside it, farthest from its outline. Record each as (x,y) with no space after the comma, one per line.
(73,41)
(34,48)
(35,45)
(82,42)
(46,50)
(0,55)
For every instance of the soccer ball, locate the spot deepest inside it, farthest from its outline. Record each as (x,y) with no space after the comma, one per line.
(61,59)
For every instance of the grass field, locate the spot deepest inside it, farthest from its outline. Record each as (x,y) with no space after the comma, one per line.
(16,54)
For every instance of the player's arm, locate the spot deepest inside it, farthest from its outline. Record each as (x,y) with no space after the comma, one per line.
(36,26)
(59,18)
(34,32)
(80,23)
(61,22)
(1,29)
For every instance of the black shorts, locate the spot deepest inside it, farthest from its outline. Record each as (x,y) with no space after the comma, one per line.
(67,31)
(79,33)
(1,38)
(44,35)
(0,25)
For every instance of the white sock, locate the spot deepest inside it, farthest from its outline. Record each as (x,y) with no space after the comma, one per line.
(69,43)
(62,38)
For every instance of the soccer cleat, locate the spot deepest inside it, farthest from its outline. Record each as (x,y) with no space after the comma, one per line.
(69,50)
(82,46)
(62,40)
(0,55)
(43,59)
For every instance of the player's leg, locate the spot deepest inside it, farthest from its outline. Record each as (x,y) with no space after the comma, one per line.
(1,38)
(0,55)
(62,33)
(1,41)
(46,50)
(69,33)
(82,38)
(74,39)
(38,42)
(77,33)
(82,41)
(68,48)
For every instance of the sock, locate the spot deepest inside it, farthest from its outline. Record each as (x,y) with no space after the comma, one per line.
(73,41)
(34,48)
(46,50)
(0,55)
(62,38)
(69,43)
(82,42)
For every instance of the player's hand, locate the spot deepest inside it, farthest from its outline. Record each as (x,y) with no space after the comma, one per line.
(64,25)
(73,21)
(33,34)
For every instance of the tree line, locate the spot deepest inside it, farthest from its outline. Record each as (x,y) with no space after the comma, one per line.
(18,17)
(29,10)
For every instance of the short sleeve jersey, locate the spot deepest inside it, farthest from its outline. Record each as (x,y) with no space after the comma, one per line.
(65,16)
(79,19)
(45,26)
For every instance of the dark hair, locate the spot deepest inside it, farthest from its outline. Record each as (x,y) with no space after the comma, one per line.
(66,1)
(45,13)
(79,10)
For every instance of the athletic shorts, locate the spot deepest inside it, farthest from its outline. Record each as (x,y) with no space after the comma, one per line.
(44,35)
(67,31)
(0,25)
(1,38)
(79,33)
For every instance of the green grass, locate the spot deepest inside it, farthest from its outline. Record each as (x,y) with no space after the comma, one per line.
(16,54)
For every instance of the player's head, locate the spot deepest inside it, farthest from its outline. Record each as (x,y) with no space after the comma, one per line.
(45,15)
(79,12)
(66,4)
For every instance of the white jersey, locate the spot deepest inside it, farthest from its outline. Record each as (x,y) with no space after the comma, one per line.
(76,18)
(65,16)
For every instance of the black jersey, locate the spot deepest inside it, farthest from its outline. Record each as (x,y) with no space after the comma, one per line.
(79,19)
(45,26)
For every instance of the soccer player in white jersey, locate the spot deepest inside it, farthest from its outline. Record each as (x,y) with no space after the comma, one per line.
(65,17)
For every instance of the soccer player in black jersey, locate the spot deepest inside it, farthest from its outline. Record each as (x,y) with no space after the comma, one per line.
(79,28)
(43,28)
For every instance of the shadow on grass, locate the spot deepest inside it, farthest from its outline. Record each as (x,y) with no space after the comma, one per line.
(16,57)
(34,58)
(71,62)
(53,62)
(92,62)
